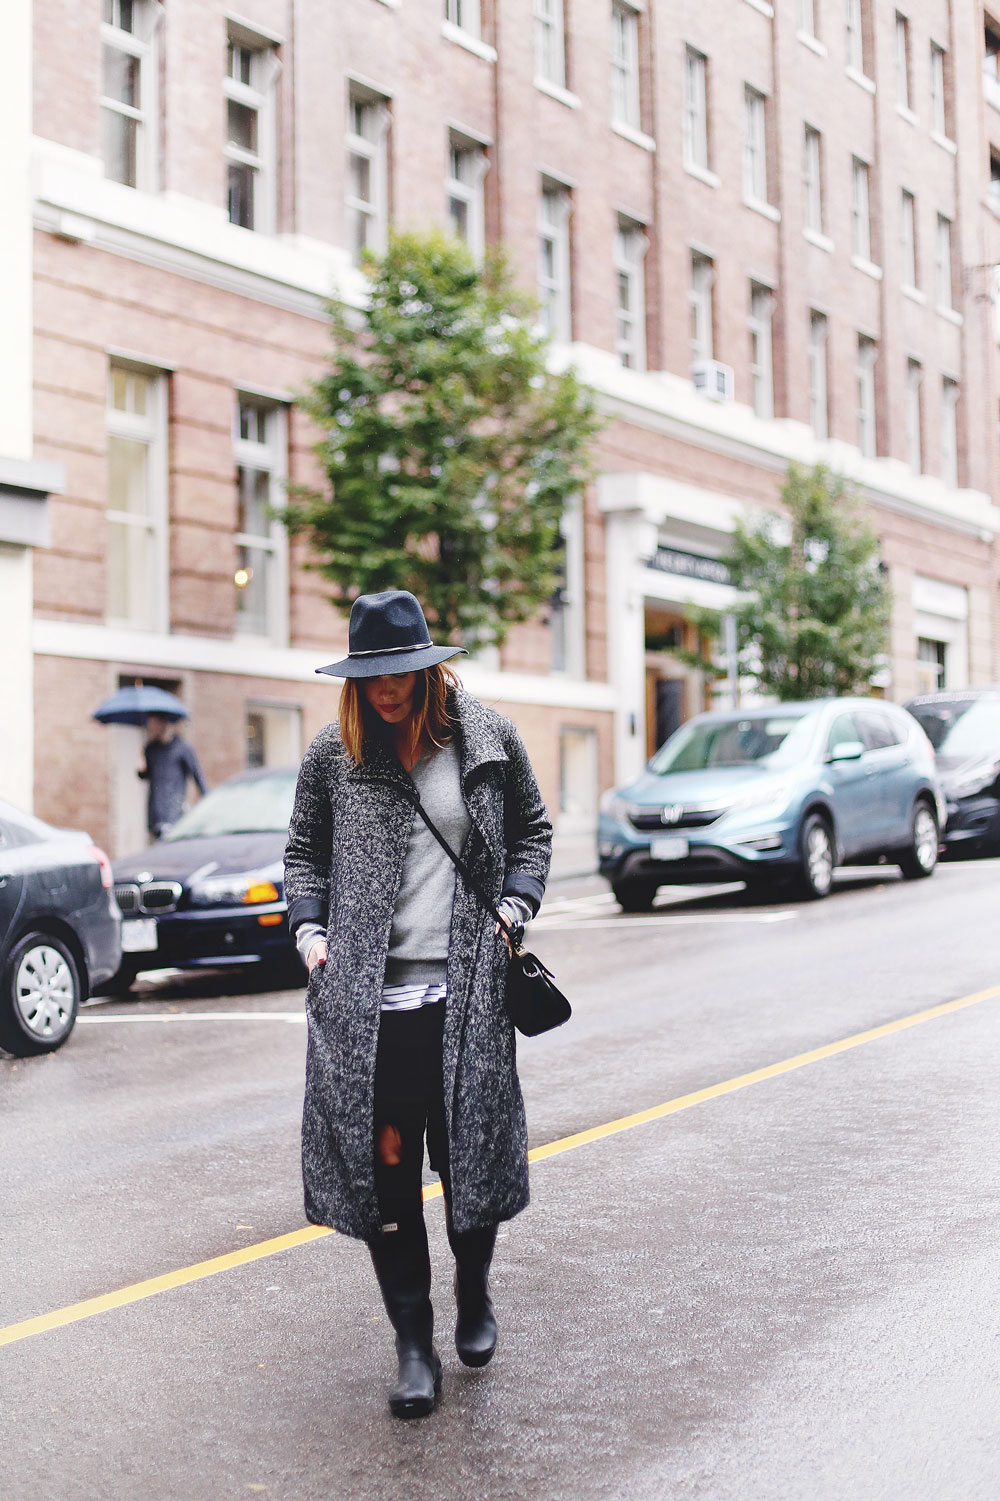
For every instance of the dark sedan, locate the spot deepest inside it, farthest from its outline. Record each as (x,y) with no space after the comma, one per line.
(964,728)
(210,893)
(60,930)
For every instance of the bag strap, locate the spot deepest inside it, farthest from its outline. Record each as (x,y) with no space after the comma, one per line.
(413,796)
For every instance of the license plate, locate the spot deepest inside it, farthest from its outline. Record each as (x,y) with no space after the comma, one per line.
(139,935)
(669,847)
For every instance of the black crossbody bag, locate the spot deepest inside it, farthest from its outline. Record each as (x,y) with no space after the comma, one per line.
(535,1002)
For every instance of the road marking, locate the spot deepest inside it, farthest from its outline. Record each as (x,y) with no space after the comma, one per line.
(658,920)
(73,1313)
(297,1017)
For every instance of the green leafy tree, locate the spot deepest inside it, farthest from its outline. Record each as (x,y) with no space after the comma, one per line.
(450,448)
(813,613)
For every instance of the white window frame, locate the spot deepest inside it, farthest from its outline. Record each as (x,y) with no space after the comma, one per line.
(866,406)
(943,285)
(909,267)
(143,45)
(914,416)
(991,63)
(807,18)
(466,15)
(550,42)
(282,722)
(571,607)
(819,412)
(555,293)
(855,38)
(269,457)
(372,143)
(631,244)
(950,394)
(902,40)
(812,179)
(861,224)
(700,298)
(468,165)
(257,95)
(151,430)
(994,188)
(939,102)
(754,145)
(625,105)
(761,349)
(696,144)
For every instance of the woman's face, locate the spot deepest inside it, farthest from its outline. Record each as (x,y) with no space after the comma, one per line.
(391,696)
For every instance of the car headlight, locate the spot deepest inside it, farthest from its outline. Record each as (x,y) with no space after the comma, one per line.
(974,779)
(250,888)
(770,794)
(615,806)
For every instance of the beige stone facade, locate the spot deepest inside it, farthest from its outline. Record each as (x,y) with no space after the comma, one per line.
(664,162)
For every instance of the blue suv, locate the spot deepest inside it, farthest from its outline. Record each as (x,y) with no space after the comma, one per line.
(775,794)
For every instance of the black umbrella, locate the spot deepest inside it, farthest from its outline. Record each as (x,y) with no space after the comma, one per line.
(133,705)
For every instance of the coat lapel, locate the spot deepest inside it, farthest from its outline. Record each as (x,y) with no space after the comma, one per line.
(479,749)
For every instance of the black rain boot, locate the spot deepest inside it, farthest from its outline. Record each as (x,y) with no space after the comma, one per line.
(476,1327)
(403,1268)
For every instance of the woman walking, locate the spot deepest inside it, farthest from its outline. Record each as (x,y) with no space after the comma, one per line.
(408,1031)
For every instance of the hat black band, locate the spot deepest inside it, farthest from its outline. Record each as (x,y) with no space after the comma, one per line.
(384,651)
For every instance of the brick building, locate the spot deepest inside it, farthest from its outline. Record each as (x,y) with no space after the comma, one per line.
(760,233)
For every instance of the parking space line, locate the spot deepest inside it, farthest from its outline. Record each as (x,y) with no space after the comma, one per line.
(297,1017)
(657,920)
(75,1312)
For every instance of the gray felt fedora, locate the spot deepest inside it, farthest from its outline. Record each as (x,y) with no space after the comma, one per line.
(388,634)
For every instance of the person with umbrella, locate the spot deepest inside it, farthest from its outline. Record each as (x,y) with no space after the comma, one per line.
(169,762)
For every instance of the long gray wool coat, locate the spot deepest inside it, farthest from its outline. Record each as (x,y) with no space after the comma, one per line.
(346,846)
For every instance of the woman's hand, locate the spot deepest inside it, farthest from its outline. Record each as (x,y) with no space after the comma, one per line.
(317,955)
(516,913)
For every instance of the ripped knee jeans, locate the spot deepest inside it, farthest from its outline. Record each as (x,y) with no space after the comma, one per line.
(409,1104)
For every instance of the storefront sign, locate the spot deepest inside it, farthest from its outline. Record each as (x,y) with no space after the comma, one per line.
(690,565)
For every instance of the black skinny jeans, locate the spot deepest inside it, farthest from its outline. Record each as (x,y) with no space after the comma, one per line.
(409,1101)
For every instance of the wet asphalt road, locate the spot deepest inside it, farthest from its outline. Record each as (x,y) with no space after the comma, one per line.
(791,1290)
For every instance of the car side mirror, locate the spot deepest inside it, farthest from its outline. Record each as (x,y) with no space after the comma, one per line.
(847,750)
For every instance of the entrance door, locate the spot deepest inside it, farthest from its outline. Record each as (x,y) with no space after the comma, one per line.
(670,693)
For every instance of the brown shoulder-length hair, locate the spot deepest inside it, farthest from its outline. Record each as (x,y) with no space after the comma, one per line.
(359,721)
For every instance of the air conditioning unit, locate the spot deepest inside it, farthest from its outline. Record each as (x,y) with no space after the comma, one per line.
(713,380)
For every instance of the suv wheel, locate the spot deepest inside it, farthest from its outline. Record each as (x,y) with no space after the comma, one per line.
(920,857)
(40,994)
(635,896)
(818,857)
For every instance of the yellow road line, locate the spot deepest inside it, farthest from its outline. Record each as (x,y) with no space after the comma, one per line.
(136,1291)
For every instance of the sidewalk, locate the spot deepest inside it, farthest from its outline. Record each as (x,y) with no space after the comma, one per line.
(573,855)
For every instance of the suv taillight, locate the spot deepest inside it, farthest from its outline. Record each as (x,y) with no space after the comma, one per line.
(104,863)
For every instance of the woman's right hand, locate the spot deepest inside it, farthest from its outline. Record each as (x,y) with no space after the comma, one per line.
(317,955)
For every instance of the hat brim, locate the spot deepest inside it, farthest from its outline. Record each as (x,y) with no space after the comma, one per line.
(391,663)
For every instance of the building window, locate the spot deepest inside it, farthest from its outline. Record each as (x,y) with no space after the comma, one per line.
(550,46)
(624,65)
(943,263)
(553,260)
(700,297)
(807,18)
(818,413)
(902,61)
(754,147)
(695,109)
(812,180)
(128,92)
(949,432)
(577,778)
(995,181)
(908,239)
(932,663)
(914,447)
(136,514)
(261,576)
(630,254)
(861,236)
(251,76)
(991,65)
(464,14)
(273,734)
(939,105)
(761,359)
(467,168)
(855,37)
(867,441)
(367,172)
(567,617)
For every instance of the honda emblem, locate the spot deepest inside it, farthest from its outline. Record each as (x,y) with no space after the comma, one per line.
(672,813)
